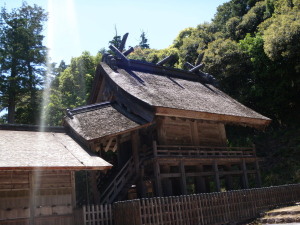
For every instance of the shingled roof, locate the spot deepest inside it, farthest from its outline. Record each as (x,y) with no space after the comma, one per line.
(28,150)
(101,120)
(167,89)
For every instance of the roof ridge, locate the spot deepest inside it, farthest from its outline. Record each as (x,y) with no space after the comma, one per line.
(30,127)
(87,108)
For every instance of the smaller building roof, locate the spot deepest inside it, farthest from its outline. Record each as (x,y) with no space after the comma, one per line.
(100,120)
(28,150)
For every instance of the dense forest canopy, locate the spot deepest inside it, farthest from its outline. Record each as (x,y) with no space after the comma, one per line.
(252,47)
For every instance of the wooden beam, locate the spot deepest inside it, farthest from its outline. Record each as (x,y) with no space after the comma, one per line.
(200,180)
(165,60)
(157,178)
(228,178)
(123,42)
(108,144)
(183,178)
(217,176)
(135,150)
(73,189)
(196,68)
(245,182)
(258,176)
(128,51)
(118,53)
(195,132)
(255,122)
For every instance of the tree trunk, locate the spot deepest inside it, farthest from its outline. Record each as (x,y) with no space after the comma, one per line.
(12,93)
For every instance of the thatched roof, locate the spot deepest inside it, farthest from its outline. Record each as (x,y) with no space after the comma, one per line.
(101,120)
(162,90)
(45,150)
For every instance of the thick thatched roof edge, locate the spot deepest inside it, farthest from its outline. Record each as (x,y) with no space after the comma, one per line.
(247,121)
(29,127)
(30,168)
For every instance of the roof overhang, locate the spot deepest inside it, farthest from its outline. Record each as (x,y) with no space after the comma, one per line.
(246,121)
(32,150)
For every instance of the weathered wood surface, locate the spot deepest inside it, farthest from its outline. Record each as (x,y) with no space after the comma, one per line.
(98,214)
(36,197)
(176,131)
(111,192)
(180,151)
(212,208)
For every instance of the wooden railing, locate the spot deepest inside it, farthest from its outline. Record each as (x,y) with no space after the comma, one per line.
(212,208)
(98,214)
(201,151)
(117,184)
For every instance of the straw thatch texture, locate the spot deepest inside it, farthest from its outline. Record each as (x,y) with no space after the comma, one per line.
(161,91)
(100,122)
(45,150)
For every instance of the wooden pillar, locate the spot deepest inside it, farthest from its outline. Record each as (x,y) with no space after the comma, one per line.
(228,179)
(183,178)
(32,196)
(166,182)
(93,182)
(73,189)
(258,177)
(157,178)
(141,188)
(135,150)
(200,181)
(217,176)
(245,183)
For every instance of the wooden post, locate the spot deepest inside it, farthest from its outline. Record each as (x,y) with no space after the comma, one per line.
(73,189)
(228,179)
(245,182)
(166,182)
(154,149)
(258,177)
(141,188)
(200,181)
(93,183)
(217,176)
(32,196)
(157,178)
(183,178)
(135,150)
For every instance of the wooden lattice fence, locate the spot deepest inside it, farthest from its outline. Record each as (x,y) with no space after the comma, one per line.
(210,208)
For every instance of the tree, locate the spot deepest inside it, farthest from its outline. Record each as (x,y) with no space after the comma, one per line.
(22,61)
(116,41)
(71,87)
(144,41)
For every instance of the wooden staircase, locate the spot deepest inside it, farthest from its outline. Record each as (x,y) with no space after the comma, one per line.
(121,182)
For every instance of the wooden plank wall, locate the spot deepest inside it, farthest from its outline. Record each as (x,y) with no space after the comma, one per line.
(40,197)
(180,131)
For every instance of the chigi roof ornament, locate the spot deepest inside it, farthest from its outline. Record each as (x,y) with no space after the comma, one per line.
(120,60)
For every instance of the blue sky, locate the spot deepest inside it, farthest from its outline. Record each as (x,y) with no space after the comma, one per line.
(77,25)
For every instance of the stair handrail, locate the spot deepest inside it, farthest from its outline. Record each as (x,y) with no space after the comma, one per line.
(118,182)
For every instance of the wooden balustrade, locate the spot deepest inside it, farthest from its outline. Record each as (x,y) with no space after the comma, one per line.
(201,151)
(111,192)
(209,208)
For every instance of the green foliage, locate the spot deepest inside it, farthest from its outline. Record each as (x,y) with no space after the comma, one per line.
(282,38)
(22,61)
(251,20)
(72,86)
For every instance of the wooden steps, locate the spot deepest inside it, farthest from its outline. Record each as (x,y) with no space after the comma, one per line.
(286,215)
